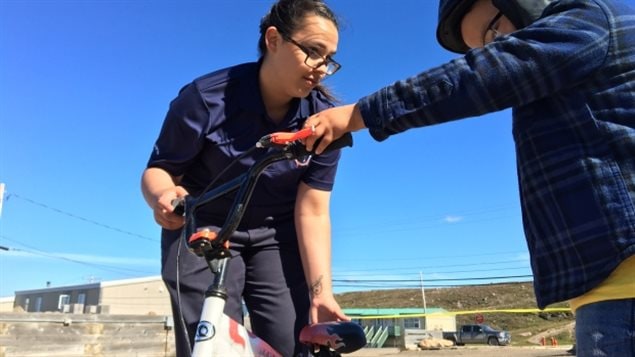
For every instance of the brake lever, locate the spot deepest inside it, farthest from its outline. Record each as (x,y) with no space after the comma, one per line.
(284,138)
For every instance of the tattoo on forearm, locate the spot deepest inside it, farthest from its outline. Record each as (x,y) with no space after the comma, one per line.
(316,287)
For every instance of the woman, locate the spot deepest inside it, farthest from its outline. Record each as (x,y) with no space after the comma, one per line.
(283,242)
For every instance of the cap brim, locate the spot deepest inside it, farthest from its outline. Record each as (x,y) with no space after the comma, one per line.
(449,29)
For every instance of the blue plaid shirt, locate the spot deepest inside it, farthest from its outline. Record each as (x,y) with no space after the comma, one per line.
(570,79)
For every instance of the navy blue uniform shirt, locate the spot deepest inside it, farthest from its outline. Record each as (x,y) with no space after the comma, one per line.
(218,117)
(570,79)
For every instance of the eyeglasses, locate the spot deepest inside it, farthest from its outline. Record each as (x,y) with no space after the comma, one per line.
(314,59)
(492,33)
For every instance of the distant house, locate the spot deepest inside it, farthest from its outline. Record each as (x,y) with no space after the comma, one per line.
(388,326)
(140,296)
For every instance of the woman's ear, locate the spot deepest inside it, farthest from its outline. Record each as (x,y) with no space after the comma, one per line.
(272,38)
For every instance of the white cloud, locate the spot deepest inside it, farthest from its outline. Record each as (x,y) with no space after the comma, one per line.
(80,258)
(452,219)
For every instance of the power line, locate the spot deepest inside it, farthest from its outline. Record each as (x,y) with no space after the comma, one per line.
(355,283)
(426,268)
(72,215)
(109,268)
(344,274)
(437,280)
(396,283)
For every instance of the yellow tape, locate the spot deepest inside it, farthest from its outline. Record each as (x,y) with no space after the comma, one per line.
(466,312)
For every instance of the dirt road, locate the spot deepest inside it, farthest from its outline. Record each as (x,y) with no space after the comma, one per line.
(472,351)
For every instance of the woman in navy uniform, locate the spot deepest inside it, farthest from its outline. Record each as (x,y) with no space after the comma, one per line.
(281,260)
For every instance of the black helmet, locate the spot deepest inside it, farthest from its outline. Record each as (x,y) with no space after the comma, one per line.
(520,12)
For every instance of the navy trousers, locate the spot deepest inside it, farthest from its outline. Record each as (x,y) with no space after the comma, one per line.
(265,271)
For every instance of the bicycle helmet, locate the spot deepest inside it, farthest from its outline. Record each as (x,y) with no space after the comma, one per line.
(520,12)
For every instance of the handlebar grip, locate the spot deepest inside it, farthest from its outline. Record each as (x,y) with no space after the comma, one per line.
(179,206)
(344,141)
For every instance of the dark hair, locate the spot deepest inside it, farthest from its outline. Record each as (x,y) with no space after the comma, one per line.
(287,16)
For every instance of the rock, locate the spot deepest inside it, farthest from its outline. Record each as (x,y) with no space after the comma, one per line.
(434,343)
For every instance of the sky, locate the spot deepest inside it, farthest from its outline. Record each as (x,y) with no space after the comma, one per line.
(84,88)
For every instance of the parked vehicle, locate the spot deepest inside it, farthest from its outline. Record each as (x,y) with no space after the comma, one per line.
(479,333)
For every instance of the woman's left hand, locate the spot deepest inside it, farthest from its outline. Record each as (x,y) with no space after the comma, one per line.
(324,308)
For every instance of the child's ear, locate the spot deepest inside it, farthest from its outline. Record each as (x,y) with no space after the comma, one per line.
(521,12)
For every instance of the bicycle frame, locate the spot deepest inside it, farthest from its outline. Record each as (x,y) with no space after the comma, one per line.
(217,334)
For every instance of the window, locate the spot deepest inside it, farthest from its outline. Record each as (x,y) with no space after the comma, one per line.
(38,304)
(383,323)
(411,323)
(81,298)
(26,304)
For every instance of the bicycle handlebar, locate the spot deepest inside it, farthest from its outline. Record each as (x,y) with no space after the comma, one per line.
(207,242)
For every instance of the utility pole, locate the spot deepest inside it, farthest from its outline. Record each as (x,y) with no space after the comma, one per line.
(423,295)
(1,197)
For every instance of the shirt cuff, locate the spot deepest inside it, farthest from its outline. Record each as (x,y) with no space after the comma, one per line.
(370,109)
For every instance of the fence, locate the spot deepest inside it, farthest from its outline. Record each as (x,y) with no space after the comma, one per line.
(72,335)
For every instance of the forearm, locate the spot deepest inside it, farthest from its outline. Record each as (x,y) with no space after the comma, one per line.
(313,227)
(356,121)
(159,189)
(154,182)
(314,240)
(525,66)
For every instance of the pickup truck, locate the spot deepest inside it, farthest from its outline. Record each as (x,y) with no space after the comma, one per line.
(478,334)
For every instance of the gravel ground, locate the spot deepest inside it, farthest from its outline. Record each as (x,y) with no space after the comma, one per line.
(472,351)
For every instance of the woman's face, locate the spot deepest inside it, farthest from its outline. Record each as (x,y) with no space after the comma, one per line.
(483,23)
(318,36)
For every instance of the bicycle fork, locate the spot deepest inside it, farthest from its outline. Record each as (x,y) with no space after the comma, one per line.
(219,335)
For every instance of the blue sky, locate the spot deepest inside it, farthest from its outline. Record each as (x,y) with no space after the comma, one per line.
(84,87)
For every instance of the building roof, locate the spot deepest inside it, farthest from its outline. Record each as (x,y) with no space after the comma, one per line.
(92,285)
(401,312)
(7,299)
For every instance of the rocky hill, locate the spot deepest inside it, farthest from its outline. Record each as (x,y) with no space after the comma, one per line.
(526,328)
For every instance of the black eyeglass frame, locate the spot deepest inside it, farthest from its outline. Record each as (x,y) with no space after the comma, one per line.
(328,60)
(490,27)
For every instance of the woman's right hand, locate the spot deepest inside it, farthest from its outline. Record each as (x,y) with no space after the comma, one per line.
(163,209)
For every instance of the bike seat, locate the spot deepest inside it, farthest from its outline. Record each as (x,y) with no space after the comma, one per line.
(341,336)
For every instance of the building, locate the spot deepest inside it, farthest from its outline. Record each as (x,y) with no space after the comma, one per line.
(435,319)
(140,296)
(388,327)
(6,304)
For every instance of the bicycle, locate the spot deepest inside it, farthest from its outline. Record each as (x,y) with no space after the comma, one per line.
(217,334)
